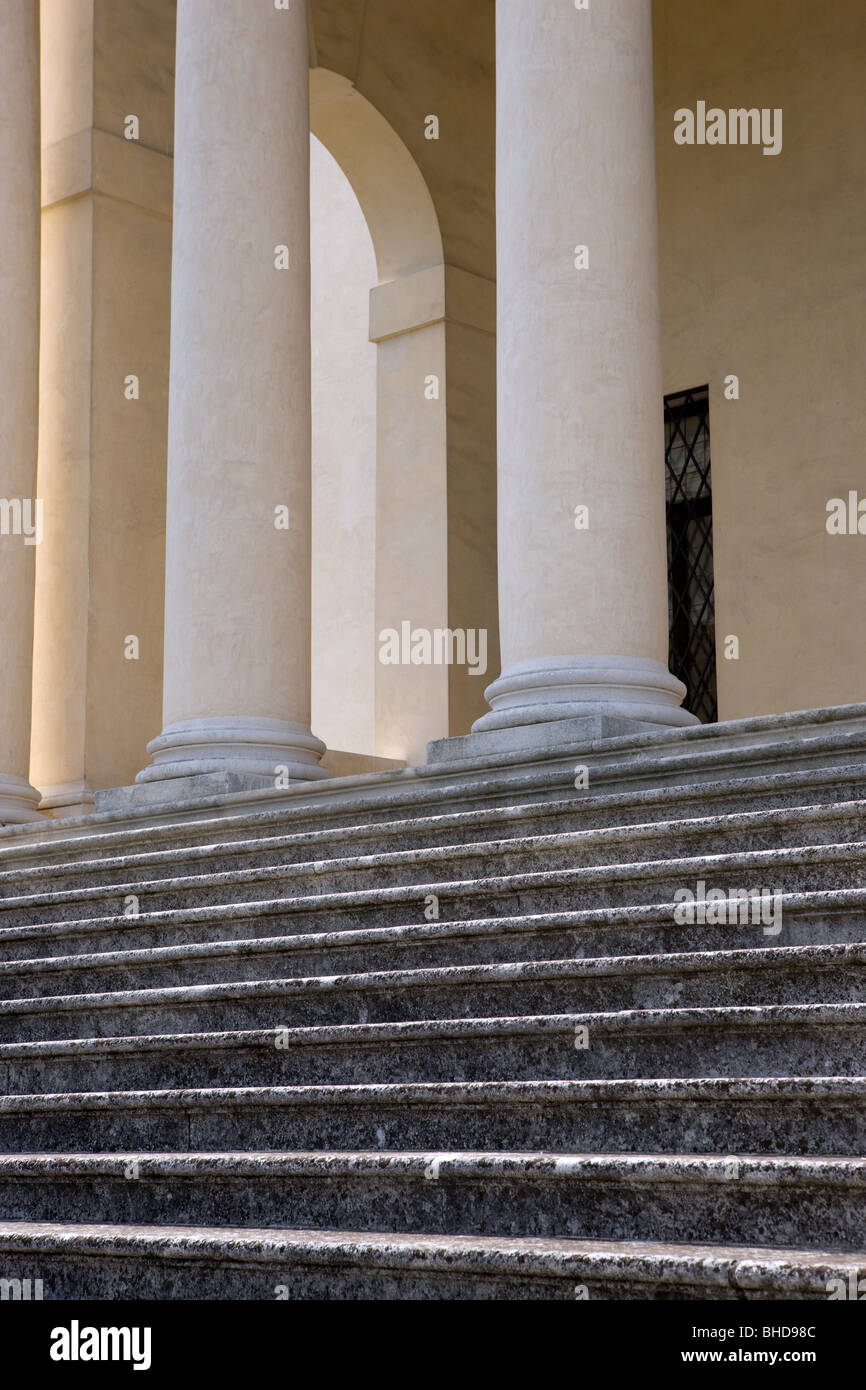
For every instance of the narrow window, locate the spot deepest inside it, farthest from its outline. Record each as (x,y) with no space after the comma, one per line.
(691,605)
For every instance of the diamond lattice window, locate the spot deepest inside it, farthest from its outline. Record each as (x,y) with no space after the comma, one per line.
(691,606)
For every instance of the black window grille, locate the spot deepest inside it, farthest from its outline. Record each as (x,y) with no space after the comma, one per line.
(691,606)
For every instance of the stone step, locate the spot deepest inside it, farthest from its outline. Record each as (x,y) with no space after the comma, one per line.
(211,933)
(550,833)
(747,765)
(806,919)
(249,1264)
(732,1200)
(625,787)
(779,1115)
(768,1040)
(801,868)
(767,975)
(447,1024)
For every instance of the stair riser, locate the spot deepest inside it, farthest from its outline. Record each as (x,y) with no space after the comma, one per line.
(804,1051)
(734,1213)
(840,984)
(130,1279)
(478,899)
(701,1127)
(800,927)
(628,848)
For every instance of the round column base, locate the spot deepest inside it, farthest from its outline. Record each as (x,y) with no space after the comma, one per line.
(18,801)
(576,687)
(262,748)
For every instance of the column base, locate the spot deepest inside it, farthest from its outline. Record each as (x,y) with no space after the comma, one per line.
(18,801)
(546,689)
(536,740)
(250,752)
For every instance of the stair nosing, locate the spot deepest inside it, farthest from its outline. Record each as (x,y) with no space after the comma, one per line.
(757,1170)
(736,1018)
(710,1266)
(466,1094)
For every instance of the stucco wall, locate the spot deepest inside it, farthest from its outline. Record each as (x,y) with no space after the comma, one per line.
(763,268)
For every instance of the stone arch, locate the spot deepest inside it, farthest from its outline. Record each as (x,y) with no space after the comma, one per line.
(387,181)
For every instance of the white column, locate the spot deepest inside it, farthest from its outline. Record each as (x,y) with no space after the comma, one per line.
(20,201)
(237,639)
(583,613)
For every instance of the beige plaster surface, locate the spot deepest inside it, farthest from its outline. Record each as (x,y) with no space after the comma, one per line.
(762,273)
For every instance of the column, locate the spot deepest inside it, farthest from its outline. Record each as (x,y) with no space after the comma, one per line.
(583,596)
(237,631)
(20,521)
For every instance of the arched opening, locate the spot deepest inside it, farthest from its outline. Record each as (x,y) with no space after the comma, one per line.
(380,524)
(388,184)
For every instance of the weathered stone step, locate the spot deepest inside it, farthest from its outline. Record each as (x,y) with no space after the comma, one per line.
(547,833)
(789,975)
(769,1040)
(625,787)
(227,931)
(781,1115)
(455,1004)
(802,868)
(238,1263)
(806,919)
(818,1202)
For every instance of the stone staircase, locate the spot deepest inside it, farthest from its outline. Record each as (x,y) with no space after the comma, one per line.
(440,1038)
